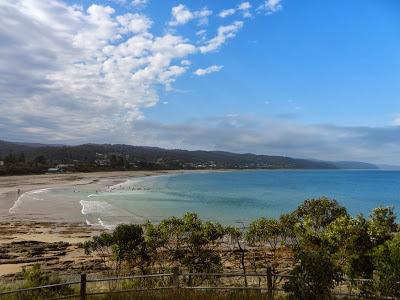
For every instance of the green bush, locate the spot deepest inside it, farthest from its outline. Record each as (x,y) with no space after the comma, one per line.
(313,277)
(387,260)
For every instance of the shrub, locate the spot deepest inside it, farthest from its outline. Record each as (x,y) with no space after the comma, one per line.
(313,277)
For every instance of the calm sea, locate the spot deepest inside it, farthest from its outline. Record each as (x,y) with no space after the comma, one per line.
(240,196)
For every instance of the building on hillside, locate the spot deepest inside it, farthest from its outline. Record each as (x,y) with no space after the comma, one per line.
(54,170)
(1,163)
(65,166)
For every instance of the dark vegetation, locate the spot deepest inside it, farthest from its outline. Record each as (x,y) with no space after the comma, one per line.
(37,158)
(323,244)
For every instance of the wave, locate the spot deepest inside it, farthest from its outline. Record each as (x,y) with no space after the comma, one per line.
(94,207)
(19,201)
(101,223)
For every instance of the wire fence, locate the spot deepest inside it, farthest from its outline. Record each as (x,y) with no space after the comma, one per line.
(267,282)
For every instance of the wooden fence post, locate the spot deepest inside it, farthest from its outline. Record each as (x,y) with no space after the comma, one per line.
(269,283)
(176,278)
(83,287)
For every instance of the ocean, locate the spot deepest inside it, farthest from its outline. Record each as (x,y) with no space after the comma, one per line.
(232,197)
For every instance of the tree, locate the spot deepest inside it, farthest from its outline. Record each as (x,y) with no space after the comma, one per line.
(126,244)
(40,160)
(387,261)
(382,224)
(237,237)
(313,277)
(266,233)
(21,158)
(348,241)
(318,213)
(10,159)
(188,242)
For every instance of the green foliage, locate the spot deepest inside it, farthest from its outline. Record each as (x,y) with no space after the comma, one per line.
(188,241)
(313,277)
(387,261)
(126,244)
(382,225)
(266,233)
(316,214)
(326,243)
(141,158)
(349,243)
(35,276)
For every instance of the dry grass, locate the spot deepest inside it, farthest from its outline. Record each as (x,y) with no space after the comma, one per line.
(187,295)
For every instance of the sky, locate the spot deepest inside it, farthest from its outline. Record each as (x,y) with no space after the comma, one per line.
(309,79)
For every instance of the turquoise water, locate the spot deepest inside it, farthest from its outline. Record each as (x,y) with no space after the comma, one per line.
(231,197)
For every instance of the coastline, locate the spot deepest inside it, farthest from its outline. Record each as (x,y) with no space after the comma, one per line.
(19,234)
(10,185)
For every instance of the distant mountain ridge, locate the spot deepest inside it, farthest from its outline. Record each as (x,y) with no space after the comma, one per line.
(355,165)
(168,158)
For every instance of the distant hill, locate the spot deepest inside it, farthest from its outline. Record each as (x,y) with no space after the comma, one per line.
(157,157)
(355,165)
(389,167)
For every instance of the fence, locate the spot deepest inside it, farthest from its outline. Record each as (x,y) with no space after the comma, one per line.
(271,284)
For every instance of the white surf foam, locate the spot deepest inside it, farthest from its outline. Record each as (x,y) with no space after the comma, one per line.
(107,226)
(95,207)
(27,195)
(92,208)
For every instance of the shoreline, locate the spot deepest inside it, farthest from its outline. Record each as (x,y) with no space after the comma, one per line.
(13,188)
(19,234)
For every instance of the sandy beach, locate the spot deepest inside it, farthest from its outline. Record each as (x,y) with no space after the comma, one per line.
(51,239)
(12,187)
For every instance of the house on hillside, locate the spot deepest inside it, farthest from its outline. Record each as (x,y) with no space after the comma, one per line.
(54,170)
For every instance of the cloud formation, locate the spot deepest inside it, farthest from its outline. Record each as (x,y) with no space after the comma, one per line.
(396,120)
(72,75)
(224,33)
(227,12)
(210,69)
(274,136)
(139,3)
(243,7)
(68,73)
(271,6)
(182,15)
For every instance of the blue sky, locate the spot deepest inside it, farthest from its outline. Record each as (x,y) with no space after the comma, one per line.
(308,79)
(318,61)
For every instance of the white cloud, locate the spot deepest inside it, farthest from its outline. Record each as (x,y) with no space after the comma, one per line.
(134,23)
(274,136)
(69,74)
(244,7)
(227,12)
(271,6)
(396,121)
(182,15)
(139,3)
(186,62)
(202,34)
(210,69)
(224,33)
(79,73)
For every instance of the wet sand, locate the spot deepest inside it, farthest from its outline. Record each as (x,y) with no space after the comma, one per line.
(12,187)
(52,239)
